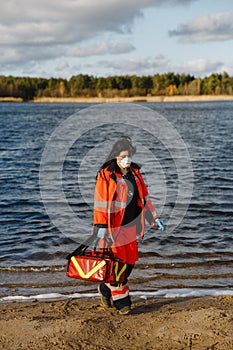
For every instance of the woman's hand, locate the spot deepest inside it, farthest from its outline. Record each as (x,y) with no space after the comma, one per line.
(160,224)
(103,234)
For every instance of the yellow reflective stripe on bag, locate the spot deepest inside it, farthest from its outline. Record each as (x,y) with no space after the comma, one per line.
(89,273)
(118,275)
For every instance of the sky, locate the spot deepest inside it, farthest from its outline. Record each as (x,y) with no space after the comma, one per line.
(62,38)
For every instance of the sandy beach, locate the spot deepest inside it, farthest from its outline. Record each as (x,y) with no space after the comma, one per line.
(163,324)
(184,98)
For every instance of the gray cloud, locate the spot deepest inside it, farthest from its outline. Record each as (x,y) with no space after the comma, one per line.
(62,65)
(67,21)
(20,55)
(200,66)
(137,66)
(160,64)
(215,27)
(29,24)
(103,48)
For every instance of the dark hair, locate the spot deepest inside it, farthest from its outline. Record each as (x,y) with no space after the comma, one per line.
(124,143)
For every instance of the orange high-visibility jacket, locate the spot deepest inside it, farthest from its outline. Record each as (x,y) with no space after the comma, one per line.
(111,197)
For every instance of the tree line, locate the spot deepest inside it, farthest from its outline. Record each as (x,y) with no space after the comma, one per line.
(83,85)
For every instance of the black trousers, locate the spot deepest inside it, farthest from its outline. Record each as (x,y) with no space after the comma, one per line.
(106,291)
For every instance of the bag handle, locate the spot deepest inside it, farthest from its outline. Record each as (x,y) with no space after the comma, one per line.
(106,251)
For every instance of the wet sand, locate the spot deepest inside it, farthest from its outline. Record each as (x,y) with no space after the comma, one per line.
(163,324)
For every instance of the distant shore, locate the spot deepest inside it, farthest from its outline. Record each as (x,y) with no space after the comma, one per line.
(11,99)
(180,98)
(184,98)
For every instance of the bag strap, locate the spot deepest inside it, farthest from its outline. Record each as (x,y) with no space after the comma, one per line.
(83,246)
(108,252)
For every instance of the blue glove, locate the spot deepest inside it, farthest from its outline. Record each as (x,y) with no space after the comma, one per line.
(101,232)
(160,224)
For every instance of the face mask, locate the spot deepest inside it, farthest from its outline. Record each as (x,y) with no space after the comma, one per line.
(125,162)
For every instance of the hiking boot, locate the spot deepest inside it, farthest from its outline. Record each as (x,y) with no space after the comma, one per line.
(125,310)
(105,301)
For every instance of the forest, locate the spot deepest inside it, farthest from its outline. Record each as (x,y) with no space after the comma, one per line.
(83,85)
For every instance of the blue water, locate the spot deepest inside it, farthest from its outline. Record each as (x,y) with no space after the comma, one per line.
(196,254)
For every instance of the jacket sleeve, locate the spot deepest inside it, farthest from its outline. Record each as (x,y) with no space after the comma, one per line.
(150,212)
(101,201)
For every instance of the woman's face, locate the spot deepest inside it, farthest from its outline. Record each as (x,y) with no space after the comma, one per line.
(124,159)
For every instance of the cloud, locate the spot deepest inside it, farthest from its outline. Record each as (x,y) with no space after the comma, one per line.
(228,67)
(103,48)
(215,27)
(43,23)
(43,34)
(200,67)
(19,55)
(62,65)
(145,66)
(67,21)
(160,65)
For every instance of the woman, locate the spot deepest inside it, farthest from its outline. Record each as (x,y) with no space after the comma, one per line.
(121,206)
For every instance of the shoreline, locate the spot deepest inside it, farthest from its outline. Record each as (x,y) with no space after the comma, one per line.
(155,324)
(181,98)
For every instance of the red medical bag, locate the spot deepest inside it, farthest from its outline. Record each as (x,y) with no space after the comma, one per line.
(95,266)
